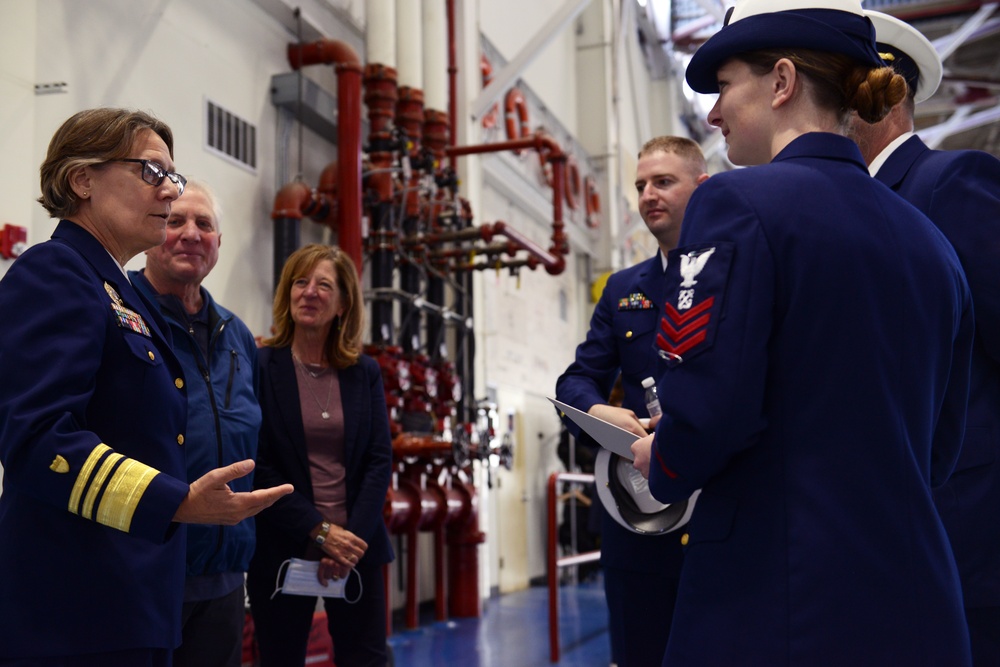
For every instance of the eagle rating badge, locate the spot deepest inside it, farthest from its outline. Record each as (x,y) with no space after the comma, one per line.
(697,275)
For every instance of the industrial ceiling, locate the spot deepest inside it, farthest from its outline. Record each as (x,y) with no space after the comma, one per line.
(965,111)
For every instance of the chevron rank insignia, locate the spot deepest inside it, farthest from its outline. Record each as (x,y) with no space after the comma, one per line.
(635,301)
(696,277)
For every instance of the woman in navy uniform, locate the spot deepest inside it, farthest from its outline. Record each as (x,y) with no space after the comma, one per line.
(92,415)
(818,333)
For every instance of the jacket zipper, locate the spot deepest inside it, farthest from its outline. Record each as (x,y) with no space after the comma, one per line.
(207,377)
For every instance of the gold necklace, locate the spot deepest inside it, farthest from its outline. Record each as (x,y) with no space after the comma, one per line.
(324,409)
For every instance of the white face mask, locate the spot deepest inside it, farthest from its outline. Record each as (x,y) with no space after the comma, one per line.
(301,579)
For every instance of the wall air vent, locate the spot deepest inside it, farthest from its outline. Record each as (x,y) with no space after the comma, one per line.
(230,137)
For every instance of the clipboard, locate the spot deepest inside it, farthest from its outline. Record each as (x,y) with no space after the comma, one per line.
(613,438)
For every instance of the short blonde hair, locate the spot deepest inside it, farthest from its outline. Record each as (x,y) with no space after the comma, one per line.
(94,136)
(682,147)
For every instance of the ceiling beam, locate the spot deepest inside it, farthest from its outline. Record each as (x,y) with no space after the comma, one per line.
(506,76)
(948,44)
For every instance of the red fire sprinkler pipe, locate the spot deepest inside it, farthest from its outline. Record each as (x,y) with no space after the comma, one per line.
(292,202)
(381,97)
(296,200)
(427,509)
(452,75)
(436,135)
(451,506)
(348,70)
(464,538)
(554,261)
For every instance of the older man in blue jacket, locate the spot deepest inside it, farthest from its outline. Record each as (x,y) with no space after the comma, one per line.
(219,358)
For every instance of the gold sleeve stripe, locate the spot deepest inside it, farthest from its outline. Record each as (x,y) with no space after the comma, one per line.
(123,494)
(87,512)
(81,479)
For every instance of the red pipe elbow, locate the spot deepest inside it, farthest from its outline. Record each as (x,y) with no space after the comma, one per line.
(322,52)
(294,200)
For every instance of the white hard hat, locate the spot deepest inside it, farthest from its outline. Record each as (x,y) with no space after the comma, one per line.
(625,495)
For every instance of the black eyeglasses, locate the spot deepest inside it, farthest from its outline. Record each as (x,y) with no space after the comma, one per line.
(154,174)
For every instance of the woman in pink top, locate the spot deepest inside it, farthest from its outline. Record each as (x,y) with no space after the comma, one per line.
(325,427)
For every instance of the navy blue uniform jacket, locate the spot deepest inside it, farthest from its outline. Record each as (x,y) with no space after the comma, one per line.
(91,408)
(283,529)
(620,340)
(821,329)
(960,192)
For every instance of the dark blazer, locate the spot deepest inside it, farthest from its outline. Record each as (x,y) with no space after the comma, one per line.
(621,340)
(818,394)
(283,529)
(92,417)
(960,192)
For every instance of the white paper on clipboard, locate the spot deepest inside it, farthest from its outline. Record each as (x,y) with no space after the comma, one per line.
(607,435)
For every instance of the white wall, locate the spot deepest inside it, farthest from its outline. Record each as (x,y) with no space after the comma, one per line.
(18,163)
(527,329)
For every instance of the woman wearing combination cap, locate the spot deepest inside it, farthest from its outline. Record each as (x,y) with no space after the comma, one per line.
(817,336)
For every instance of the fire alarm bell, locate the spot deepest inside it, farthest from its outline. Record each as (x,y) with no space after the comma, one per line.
(13,241)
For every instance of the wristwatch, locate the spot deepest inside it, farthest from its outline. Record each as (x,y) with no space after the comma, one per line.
(324,530)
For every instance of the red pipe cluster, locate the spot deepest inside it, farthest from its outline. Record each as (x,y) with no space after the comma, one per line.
(428,496)
(554,260)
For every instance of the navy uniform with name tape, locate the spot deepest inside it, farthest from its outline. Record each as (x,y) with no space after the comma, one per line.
(960,192)
(92,410)
(640,558)
(640,571)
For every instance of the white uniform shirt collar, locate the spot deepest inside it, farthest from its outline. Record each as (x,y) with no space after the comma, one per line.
(886,152)
(120,267)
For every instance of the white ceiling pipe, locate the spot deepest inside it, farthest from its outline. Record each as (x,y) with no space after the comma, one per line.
(948,44)
(961,121)
(380,33)
(435,61)
(409,43)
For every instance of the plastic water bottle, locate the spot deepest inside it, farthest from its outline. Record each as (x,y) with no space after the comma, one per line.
(652,400)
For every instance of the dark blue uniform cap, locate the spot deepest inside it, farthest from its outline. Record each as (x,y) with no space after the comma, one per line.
(754,25)
(902,63)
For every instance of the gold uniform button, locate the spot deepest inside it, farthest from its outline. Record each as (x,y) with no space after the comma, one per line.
(179,383)
(152,357)
(684,539)
(628,334)
(180,439)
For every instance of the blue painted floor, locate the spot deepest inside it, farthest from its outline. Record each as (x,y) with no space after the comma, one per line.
(514,632)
